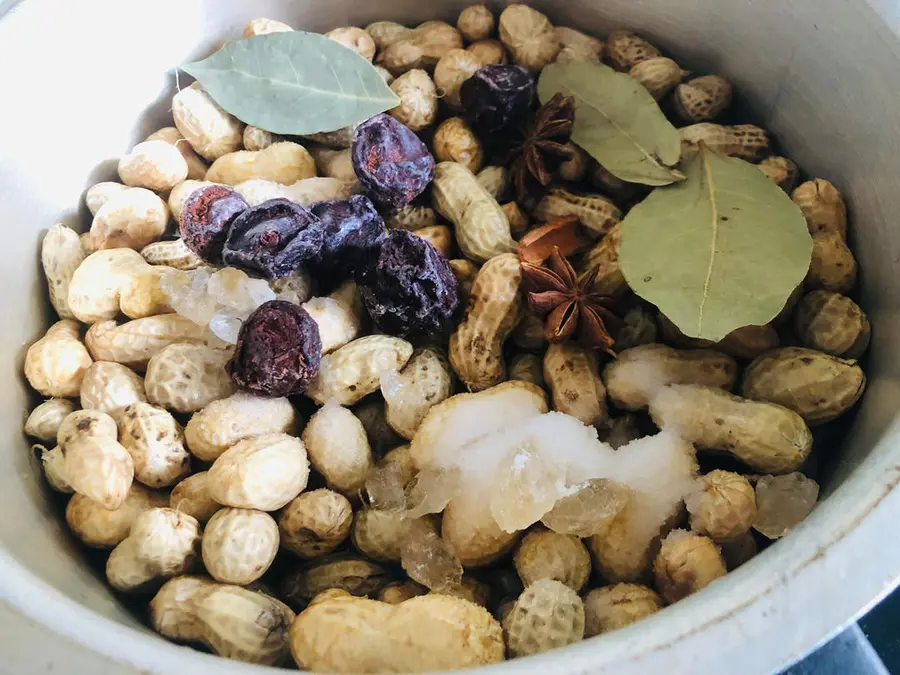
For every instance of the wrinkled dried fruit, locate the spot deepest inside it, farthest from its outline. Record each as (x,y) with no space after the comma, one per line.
(206,218)
(351,229)
(496,98)
(409,289)
(392,163)
(278,350)
(273,239)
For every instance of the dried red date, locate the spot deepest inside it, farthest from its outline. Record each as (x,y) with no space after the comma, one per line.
(273,239)
(206,218)
(351,229)
(278,350)
(391,162)
(496,98)
(408,287)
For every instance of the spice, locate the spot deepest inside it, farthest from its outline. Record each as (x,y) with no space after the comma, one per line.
(569,306)
(541,148)
(562,233)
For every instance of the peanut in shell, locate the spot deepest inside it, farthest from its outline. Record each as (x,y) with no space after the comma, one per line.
(832,323)
(817,386)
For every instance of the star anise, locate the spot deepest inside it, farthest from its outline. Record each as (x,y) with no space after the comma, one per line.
(541,146)
(569,306)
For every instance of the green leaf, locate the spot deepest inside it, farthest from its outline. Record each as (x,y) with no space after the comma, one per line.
(617,121)
(293,83)
(722,250)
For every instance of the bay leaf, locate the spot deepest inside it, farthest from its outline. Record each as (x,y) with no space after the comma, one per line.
(617,121)
(293,83)
(721,250)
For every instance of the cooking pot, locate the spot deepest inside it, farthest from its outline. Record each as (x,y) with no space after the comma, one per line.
(83,81)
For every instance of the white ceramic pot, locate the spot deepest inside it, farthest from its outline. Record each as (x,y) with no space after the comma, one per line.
(80,82)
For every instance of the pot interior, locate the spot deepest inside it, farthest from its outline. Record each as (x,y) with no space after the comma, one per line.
(84,81)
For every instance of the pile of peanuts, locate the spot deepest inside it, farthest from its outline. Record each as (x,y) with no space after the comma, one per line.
(195,489)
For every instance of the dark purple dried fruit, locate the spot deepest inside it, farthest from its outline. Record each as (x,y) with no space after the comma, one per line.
(391,162)
(273,239)
(278,350)
(409,288)
(351,230)
(496,98)
(206,217)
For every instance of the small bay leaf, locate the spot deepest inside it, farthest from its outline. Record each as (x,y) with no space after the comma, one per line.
(293,83)
(617,121)
(721,250)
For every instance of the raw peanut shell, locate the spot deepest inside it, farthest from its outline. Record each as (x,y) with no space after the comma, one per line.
(636,375)
(822,206)
(577,390)
(430,632)
(605,255)
(658,75)
(702,99)
(833,267)
(765,436)
(817,386)
(781,171)
(746,141)
(495,307)
(833,324)
(747,342)
(596,213)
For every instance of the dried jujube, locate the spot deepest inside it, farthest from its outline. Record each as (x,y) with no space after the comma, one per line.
(351,229)
(408,287)
(278,350)
(391,162)
(206,218)
(273,239)
(496,98)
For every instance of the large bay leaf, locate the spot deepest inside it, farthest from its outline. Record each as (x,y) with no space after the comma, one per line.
(721,250)
(293,83)
(617,121)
